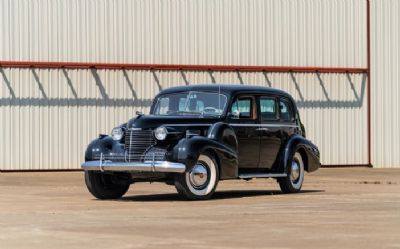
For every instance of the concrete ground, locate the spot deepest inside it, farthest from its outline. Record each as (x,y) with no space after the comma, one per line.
(338,208)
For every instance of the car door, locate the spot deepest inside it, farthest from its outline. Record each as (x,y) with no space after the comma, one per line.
(246,129)
(270,131)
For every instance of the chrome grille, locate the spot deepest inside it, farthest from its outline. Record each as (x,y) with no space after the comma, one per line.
(155,154)
(137,143)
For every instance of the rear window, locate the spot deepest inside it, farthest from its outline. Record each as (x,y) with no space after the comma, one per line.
(286,112)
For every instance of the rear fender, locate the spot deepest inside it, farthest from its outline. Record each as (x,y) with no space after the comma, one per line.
(307,149)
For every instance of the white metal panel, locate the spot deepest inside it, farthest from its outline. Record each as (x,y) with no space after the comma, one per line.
(50,115)
(232,32)
(385,83)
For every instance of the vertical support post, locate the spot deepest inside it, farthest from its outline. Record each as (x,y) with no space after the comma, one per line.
(369,80)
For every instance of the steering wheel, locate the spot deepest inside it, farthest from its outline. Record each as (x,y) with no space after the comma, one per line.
(210,109)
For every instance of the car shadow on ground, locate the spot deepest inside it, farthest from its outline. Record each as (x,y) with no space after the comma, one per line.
(219,195)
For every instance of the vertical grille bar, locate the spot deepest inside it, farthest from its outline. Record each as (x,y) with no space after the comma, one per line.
(137,142)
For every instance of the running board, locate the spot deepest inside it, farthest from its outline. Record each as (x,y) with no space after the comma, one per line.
(261,175)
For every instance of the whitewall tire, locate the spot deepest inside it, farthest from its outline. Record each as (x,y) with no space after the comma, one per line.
(201,181)
(293,182)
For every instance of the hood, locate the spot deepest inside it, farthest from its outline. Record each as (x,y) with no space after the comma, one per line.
(152,121)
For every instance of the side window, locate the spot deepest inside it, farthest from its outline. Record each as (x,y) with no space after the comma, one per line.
(243,105)
(285,110)
(267,108)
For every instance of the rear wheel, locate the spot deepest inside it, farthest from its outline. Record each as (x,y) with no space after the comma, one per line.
(200,182)
(103,186)
(293,182)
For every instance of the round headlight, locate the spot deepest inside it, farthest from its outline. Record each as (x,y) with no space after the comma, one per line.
(160,133)
(117,133)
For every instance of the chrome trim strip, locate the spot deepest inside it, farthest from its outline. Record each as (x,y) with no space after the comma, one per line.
(265,125)
(186,124)
(174,132)
(261,175)
(146,166)
(239,125)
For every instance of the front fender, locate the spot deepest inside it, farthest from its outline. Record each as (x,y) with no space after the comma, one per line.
(223,133)
(103,144)
(308,150)
(188,150)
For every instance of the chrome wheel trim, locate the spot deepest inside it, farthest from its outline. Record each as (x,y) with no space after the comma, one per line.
(198,176)
(295,171)
(297,182)
(206,161)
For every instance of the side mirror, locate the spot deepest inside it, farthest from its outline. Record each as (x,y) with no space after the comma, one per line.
(235,114)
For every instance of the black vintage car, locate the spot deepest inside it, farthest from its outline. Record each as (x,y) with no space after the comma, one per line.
(198,135)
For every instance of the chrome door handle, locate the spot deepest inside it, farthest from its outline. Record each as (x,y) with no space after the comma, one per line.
(262,129)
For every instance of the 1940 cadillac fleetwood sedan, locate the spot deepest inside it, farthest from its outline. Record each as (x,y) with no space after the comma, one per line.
(198,135)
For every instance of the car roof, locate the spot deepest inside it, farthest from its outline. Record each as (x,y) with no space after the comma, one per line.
(230,89)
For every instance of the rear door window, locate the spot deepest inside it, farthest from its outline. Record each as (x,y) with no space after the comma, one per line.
(268,109)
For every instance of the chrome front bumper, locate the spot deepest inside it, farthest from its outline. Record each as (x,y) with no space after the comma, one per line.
(146,166)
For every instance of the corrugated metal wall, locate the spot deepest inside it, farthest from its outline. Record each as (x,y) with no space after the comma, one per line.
(385,83)
(49,115)
(237,32)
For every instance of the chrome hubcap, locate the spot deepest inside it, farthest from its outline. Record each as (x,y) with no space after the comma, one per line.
(198,175)
(295,172)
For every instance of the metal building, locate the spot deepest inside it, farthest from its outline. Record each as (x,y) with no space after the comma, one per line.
(73,69)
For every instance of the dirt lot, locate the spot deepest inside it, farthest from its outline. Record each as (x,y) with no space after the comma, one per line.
(339,208)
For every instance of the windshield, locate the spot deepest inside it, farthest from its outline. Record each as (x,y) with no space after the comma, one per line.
(190,103)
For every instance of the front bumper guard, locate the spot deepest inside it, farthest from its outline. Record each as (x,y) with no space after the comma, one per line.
(146,166)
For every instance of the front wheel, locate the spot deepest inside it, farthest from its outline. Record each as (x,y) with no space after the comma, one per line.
(295,175)
(200,182)
(103,186)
